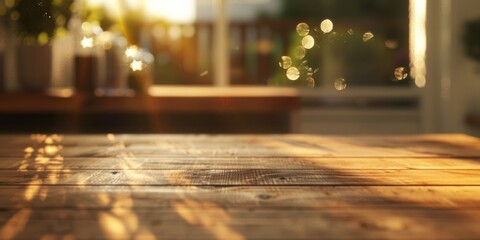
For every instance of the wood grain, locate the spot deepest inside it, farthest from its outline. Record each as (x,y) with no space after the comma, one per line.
(254,177)
(208,221)
(239,187)
(448,145)
(271,197)
(239,163)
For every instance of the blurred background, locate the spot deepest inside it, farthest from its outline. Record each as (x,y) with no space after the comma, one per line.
(337,67)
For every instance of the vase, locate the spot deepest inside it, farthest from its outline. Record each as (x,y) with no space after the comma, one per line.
(86,73)
(34,67)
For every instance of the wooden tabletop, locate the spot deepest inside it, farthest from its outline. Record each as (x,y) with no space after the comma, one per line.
(239,187)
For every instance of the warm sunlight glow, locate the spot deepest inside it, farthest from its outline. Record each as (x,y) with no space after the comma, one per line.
(45,169)
(29,150)
(178,11)
(32,189)
(16,224)
(136,65)
(418,38)
(216,220)
(131,52)
(87,42)
(51,150)
(112,226)
(94,3)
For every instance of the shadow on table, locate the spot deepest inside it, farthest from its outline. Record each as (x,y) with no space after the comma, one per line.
(48,199)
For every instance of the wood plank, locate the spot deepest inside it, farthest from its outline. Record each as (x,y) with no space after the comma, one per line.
(237,163)
(253,146)
(99,139)
(298,197)
(57,176)
(203,220)
(240,187)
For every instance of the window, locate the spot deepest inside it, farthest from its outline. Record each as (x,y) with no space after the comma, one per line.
(265,30)
(180,36)
(260,32)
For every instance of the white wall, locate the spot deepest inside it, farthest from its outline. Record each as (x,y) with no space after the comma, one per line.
(453,87)
(465,71)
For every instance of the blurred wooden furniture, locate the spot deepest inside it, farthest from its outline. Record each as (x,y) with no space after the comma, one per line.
(163,110)
(239,187)
(473,120)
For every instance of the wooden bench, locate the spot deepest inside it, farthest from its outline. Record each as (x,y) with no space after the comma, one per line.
(165,109)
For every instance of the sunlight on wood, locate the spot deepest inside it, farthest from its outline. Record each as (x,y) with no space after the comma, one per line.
(48,167)
(55,237)
(112,226)
(103,199)
(145,234)
(241,187)
(111,137)
(15,224)
(51,150)
(23,167)
(122,221)
(32,189)
(215,219)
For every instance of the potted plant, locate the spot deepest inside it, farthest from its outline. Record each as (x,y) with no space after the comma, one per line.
(36,23)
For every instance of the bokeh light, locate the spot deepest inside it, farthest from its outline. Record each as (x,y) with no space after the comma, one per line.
(87,42)
(326,26)
(310,82)
(391,44)
(293,73)
(367,36)
(136,65)
(303,29)
(132,52)
(308,42)
(286,62)
(340,84)
(400,73)
(300,52)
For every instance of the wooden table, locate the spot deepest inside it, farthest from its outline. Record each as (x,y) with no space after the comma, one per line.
(165,109)
(239,187)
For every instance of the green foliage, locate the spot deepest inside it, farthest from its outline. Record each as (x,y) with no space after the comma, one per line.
(129,21)
(345,54)
(37,21)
